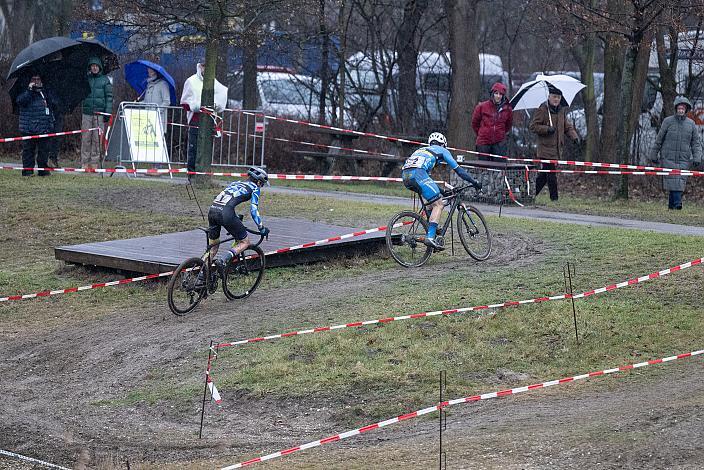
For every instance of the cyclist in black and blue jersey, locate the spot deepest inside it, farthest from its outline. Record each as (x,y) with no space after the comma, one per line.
(222,214)
(416,177)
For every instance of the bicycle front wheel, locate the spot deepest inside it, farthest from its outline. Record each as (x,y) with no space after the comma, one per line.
(474,233)
(404,238)
(182,293)
(244,273)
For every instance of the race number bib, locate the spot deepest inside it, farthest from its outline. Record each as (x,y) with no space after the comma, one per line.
(222,199)
(414,161)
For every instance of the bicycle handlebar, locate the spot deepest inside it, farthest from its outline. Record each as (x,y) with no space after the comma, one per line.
(256,232)
(454,190)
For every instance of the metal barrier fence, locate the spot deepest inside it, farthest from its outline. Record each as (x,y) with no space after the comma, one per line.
(160,135)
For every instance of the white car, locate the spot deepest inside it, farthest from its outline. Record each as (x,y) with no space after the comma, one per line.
(286,94)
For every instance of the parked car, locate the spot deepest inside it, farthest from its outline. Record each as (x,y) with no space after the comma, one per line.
(285,94)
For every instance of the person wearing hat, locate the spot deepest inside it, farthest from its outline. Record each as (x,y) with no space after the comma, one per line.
(491,121)
(551,125)
(98,101)
(677,146)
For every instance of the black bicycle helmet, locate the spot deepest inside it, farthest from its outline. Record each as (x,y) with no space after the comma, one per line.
(258,175)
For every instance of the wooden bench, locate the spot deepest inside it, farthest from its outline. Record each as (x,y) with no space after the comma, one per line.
(327,160)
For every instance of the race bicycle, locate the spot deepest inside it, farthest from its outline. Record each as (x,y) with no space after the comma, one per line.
(406,231)
(240,277)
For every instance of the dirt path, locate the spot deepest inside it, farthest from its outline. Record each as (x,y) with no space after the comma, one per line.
(52,380)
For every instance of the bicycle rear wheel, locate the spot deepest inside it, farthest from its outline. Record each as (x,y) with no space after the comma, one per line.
(404,238)
(244,273)
(182,293)
(474,233)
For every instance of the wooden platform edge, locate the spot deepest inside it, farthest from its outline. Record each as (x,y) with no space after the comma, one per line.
(290,258)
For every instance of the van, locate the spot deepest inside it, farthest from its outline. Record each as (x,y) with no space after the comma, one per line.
(284,93)
(369,75)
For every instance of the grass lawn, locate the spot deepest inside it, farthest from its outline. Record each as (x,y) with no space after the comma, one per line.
(656,211)
(479,352)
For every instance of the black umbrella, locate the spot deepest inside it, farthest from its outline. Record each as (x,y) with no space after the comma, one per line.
(63,69)
(43,49)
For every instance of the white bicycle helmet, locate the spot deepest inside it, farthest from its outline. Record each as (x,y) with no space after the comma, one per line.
(258,175)
(438,138)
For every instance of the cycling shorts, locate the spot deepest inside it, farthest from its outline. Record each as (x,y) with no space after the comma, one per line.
(418,180)
(225,216)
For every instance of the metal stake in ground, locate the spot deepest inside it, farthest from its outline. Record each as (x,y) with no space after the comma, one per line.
(568,271)
(443,419)
(205,388)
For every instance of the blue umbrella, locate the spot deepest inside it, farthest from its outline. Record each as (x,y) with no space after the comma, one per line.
(136,76)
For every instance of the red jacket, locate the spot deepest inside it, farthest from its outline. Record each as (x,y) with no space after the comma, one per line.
(491,123)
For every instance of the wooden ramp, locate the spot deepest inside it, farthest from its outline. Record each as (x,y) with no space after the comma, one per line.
(161,253)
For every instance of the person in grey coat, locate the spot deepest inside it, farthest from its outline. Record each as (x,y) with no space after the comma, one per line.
(678,146)
(157,92)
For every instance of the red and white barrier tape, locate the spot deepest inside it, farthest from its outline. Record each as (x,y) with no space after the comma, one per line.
(415,142)
(620,172)
(510,193)
(30,459)
(48,293)
(357,324)
(159,171)
(53,134)
(312,144)
(459,401)
(98,285)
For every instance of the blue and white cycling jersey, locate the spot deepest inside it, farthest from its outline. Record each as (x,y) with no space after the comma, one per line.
(426,158)
(239,192)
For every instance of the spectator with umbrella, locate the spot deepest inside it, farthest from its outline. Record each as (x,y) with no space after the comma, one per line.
(99,100)
(153,84)
(61,62)
(36,108)
(549,121)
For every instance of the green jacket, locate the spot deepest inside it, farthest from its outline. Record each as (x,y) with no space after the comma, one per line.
(100,97)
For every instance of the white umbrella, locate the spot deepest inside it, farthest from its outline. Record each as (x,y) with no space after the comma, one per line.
(534,93)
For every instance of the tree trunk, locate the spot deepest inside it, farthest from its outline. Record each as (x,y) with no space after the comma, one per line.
(207,99)
(629,66)
(342,22)
(324,62)
(585,59)
(466,83)
(640,75)
(20,21)
(407,53)
(611,108)
(668,79)
(250,91)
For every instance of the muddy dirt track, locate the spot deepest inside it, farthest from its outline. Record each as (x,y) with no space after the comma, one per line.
(54,374)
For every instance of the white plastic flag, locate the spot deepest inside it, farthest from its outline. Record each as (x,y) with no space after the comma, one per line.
(214,391)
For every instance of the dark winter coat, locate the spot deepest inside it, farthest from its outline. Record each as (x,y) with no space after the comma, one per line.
(33,107)
(491,122)
(551,146)
(678,146)
(100,97)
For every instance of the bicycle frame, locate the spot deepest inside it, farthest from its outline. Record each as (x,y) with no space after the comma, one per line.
(456,201)
(208,258)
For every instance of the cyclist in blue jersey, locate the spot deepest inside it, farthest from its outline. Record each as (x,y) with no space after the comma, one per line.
(416,177)
(222,214)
